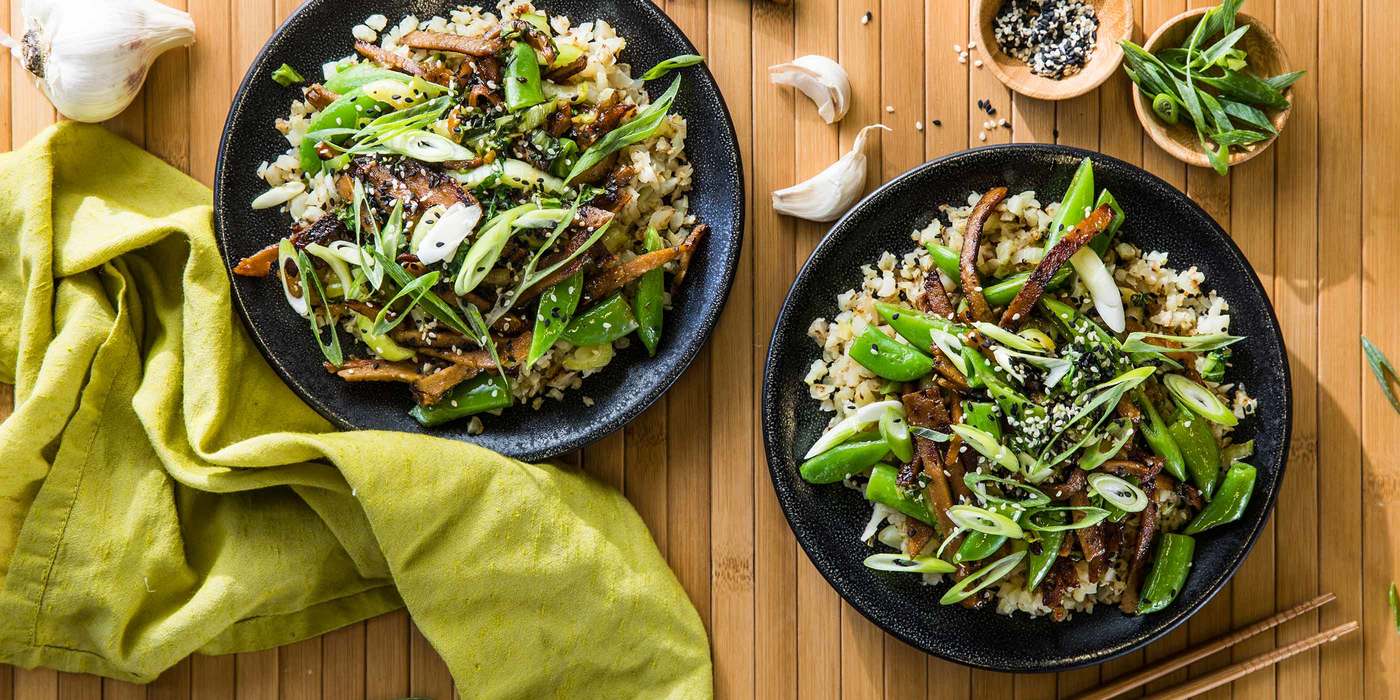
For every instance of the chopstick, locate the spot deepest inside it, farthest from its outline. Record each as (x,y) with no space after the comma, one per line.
(1252,664)
(1190,656)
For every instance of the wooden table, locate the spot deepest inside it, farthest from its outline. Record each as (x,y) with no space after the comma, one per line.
(1317,215)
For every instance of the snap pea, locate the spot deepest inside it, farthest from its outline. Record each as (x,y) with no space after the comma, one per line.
(914,326)
(1040,562)
(843,460)
(1230,500)
(883,487)
(486,392)
(1193,435)
(980,545)
(649,301)
(887,358)
(983,416)
(1102,241)
(1154,430)
(607,321)
(381,345)
(1076,203)
(552,316)
(523,88)
(1168,573)
(344,113)
(1073,322)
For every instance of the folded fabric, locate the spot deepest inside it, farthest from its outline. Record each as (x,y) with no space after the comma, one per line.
(162,492)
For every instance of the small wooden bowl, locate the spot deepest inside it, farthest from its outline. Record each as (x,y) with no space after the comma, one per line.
(1115,24)
(1266,57)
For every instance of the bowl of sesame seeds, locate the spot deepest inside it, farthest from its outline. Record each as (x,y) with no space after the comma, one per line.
(1053,49)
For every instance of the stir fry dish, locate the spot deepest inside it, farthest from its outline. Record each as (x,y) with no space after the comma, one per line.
(484,207)
(1039,414)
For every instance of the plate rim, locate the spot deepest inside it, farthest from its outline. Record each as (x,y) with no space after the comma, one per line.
(596,431)
(773,444)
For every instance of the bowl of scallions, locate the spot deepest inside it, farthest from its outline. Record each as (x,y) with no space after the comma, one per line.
(1214,86)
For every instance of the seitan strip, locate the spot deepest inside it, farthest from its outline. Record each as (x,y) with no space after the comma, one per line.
(1091,541)
(1020,307)
(1137,566)
(972,242)
(389,59)
(375,371)
(935,299)
(319,96)
(924,409)
(258,264)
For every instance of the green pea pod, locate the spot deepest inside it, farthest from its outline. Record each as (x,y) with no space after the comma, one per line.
(1077,202)
(555,311)
(487,392)
(1154,430)
(522,78)
(980,545)
(344,113)
(1169,571)
(883,487)
(1071,321)
(1230,500)
(888,358)
(607,321)
(1193,435)
(1040,562)
(896,434)
(914,326)
(649,299)
(843,460)
(975,368)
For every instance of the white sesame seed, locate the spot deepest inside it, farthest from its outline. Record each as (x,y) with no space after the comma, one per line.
(918,126)
(982,136)
(962,59)
(889,108)
(971,44)
(957,48)
(977,63)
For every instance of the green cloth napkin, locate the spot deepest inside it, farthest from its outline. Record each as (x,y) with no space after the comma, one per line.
(162,492)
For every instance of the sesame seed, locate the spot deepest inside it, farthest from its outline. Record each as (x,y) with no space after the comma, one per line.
(982,136)
(957,48)
(865,18)
(918,126)
(889,108)
(977,63)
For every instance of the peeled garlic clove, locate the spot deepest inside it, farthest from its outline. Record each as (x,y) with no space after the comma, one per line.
(828,194)
(821,79)
(90,58)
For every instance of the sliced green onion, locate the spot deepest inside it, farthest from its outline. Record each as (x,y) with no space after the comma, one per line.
(852,424)
(334,261)
(1056,368)
(428,147)
(929,433)
(982,520)
(642,127)
(1092,516)
(1108,301)
(286,76)
(1007,338)
(486,249)
(896,433)
(1096,453)
(1037,336)
(414,292)
(887,561)
(670,64)
(1137,342)
(309,282)
(1122,494)
(974,481)
(1236,452)
(1200,400)
(1164,106)
(286,253)
(981,578)
(987,446)
(951,347)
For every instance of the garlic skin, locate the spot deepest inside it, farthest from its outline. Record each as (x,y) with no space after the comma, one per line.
(828,194)
(821,79)
(89,57)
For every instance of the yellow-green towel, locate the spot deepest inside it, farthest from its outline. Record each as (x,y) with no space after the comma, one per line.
(162,492)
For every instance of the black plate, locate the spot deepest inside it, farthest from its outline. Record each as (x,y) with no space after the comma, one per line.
(319,31)
(828,519)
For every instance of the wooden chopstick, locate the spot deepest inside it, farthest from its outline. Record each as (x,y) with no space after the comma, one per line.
(1214,680)
(1190,656)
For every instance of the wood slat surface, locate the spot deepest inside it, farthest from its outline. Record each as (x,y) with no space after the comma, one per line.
(1317,216)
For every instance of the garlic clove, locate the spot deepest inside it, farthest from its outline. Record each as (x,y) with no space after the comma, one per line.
(91,58)
(828,194)
(819,78)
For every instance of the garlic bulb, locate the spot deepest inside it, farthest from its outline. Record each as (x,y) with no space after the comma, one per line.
(90,58)
(819,78)
(828,194)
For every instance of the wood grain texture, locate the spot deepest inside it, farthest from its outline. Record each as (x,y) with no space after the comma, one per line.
(1316,214)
